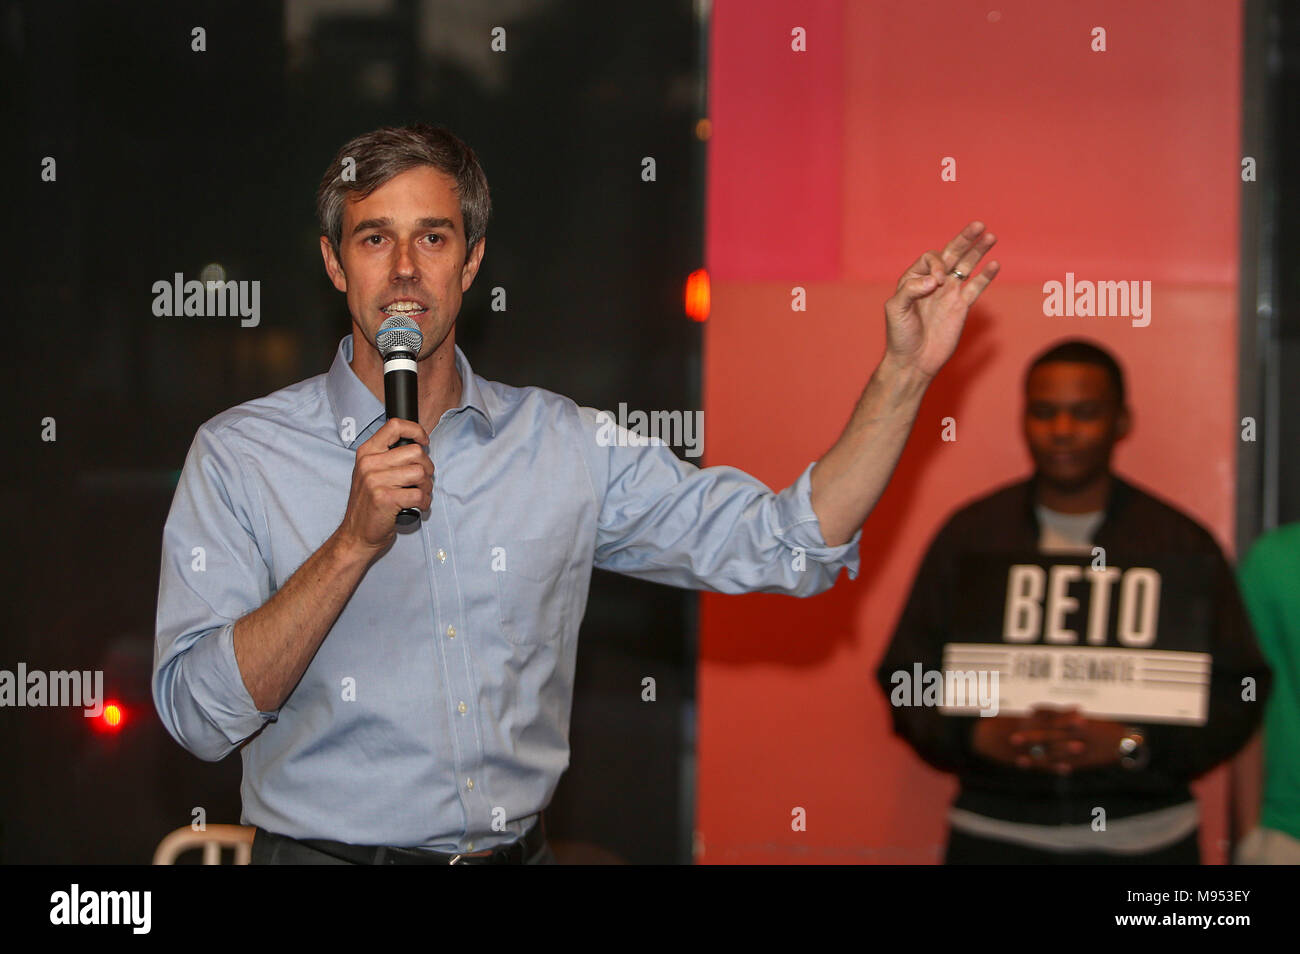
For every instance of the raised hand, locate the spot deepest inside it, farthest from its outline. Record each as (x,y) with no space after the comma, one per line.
(925,316)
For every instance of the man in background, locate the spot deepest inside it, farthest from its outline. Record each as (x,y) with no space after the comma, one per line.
(1032,785)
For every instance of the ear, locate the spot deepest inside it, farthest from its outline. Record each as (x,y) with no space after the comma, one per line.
(470,268)
(1123,423)
(332,265)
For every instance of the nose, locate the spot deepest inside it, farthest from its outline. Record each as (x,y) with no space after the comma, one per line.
(1062,424)
(404,263)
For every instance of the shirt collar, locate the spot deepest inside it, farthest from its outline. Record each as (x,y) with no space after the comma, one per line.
(350,399)
(1120,494)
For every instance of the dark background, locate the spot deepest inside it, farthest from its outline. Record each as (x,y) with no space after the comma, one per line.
(168,160)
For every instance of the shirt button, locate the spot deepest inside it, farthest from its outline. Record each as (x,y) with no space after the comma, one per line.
(451,632)
(469,783)
(469,846)
(462,708)
(442,555)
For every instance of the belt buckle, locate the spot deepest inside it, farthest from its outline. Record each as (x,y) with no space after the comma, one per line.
(501,853)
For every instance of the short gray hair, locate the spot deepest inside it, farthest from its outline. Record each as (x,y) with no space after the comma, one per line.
(384,153)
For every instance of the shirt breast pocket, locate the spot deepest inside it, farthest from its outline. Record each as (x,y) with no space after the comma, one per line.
(531,591)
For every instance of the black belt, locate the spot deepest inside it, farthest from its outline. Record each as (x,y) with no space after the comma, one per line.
(514,853)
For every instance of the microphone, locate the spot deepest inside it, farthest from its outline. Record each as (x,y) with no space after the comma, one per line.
(399,341)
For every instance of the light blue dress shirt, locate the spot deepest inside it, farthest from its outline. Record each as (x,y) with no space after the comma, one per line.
(436,711)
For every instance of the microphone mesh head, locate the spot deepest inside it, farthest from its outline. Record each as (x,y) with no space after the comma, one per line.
(399,333)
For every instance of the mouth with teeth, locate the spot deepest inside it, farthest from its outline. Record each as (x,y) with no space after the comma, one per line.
(405,306)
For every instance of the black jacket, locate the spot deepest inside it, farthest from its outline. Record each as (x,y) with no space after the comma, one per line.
(1137,522)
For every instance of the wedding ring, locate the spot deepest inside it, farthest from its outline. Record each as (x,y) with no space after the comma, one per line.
(958,273)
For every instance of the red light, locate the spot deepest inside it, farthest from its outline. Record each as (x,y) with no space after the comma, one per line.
(113,717)
(697,295)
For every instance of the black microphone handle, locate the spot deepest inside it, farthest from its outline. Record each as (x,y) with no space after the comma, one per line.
(401,399)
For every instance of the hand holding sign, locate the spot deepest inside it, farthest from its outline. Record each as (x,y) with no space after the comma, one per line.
(1031,742)
(1050,740)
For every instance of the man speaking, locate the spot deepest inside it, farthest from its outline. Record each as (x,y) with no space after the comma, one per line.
(401,694)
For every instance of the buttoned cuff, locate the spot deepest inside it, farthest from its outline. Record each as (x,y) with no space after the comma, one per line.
(798,526)
(219,689)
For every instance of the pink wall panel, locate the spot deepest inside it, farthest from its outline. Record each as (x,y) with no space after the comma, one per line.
(1114,166)
(775,153)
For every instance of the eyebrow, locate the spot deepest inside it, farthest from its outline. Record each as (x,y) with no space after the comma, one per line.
(425,223)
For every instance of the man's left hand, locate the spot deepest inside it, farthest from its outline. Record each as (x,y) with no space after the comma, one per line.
(924,318)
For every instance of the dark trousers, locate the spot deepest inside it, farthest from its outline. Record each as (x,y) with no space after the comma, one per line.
(966,849)
(286,852)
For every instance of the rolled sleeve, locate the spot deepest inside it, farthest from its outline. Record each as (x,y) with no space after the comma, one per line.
(714,528)
(212,574)
(799,528)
